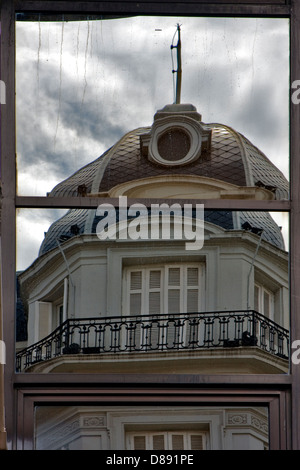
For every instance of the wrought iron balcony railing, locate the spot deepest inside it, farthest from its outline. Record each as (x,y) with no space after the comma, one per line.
(146,333)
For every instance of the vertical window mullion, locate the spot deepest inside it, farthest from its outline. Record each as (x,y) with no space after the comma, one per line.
(183,288)
(165,301)
(145,291)
(149,442)
(203,287)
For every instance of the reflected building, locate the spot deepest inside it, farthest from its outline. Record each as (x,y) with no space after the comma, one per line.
(107,296)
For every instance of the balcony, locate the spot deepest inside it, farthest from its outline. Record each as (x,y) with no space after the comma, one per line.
(117,336)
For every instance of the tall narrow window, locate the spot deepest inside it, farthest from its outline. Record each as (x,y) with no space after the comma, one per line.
(264,301)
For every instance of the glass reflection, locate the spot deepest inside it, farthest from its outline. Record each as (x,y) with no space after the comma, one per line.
(151,428)
(83,85)
(106,295)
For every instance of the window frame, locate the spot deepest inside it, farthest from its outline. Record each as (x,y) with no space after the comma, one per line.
(23,391)
(164,286)
(167,438)
(262,290)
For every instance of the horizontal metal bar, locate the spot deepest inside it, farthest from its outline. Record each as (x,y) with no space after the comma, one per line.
(277,8)
(93,202)
(80,4)
(69,382)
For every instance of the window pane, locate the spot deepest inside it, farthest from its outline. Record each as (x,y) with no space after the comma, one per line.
(158,442)
(266,303)
(102,284)
(136,280)
(177,442)
(174,276)
(154,279)
(192,300)
(256,298)
(173,301)
(80,85)
(196,442)
(150,427)
(135,304)
(154,302)
(192,276)
(139,443)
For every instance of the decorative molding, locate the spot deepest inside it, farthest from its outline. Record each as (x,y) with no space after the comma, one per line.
(59,434)
(67,429)
(240,419)
(259,424)
(251,419)
(93,421)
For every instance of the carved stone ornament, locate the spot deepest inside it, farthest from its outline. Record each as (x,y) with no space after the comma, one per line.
(237,419)
(93,421)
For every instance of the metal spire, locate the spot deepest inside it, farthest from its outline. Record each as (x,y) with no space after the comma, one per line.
(179,70)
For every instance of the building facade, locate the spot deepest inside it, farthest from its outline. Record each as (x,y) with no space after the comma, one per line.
(164,288)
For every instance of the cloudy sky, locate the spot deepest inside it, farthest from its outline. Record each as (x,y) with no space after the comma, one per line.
(82,85)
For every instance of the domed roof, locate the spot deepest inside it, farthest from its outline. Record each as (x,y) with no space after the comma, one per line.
(177,144)
(229,157)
